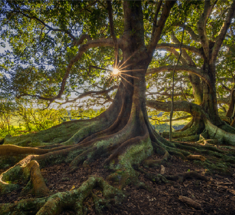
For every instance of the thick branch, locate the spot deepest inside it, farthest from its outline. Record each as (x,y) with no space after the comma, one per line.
(177,46)
(177,119)
(223,100)
(169,95)
(81,39)
(157,33)
(178,106)
(89,93)
(189,69)
(223,31)
(201,25)
(110,11)
(155,17)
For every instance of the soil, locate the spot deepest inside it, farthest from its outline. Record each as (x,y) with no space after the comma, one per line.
(216,196)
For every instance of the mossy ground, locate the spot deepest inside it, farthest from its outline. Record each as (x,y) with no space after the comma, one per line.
(217,196)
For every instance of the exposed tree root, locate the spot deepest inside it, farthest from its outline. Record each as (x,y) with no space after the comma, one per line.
(23,171)
(194,129)
(159,178)
(72,199)
(188,175)
(220,134)
(56,134)
(39,186)
(196,157)
(126,141)
(17,150)
(152,162)
(190,202)
(204,130)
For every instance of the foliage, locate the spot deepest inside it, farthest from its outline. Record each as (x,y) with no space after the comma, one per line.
(26,118)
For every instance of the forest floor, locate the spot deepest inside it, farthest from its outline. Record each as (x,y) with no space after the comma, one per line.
(216,196)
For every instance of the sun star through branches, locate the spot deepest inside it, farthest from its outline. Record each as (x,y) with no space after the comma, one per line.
(116,72)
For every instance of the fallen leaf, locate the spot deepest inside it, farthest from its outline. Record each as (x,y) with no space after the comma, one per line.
(72,187)
(232,191)
(163,169)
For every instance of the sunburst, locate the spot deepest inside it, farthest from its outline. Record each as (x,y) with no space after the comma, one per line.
(120,70)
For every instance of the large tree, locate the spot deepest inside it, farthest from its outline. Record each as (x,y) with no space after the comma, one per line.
(64,35)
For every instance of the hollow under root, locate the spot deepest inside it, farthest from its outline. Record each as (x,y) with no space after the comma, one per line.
(73,199)
(190,133)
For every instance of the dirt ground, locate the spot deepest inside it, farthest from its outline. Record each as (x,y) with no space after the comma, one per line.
(216,196)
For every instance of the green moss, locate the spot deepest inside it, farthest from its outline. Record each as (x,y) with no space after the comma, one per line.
(135,154)
(7,187)
(73,154)
(12,174)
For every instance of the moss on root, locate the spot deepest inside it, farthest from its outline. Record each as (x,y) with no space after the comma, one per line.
(134,154)
(57,202)
(56,134)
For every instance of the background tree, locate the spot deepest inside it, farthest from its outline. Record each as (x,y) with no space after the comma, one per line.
(209,48)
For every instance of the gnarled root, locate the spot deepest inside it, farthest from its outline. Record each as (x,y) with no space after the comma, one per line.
(226,135)
(39,186)
(72,199)
(157,178)
(181,177)
(160,178)
(157,162)
(196,157)
(56,134)
(25,169)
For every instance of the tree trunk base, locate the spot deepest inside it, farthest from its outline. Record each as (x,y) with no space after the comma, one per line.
(124,150)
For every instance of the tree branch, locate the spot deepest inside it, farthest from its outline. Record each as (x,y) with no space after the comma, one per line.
(155,17)
(89,93)
(169,95)
(177,46)
(176,119)
(201,25)
(193,35)
(184,53)
(46,25)
(79,41)
(83,48)
(226,88)
(189,69)
(223,31)
(173,84)
(225,100)
(157,33)
(178,106)
(110,11)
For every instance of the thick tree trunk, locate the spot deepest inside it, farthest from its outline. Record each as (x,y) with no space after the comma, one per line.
(209,103)
(197,90)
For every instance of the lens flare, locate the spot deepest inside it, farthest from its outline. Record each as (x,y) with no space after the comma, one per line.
(115,72)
